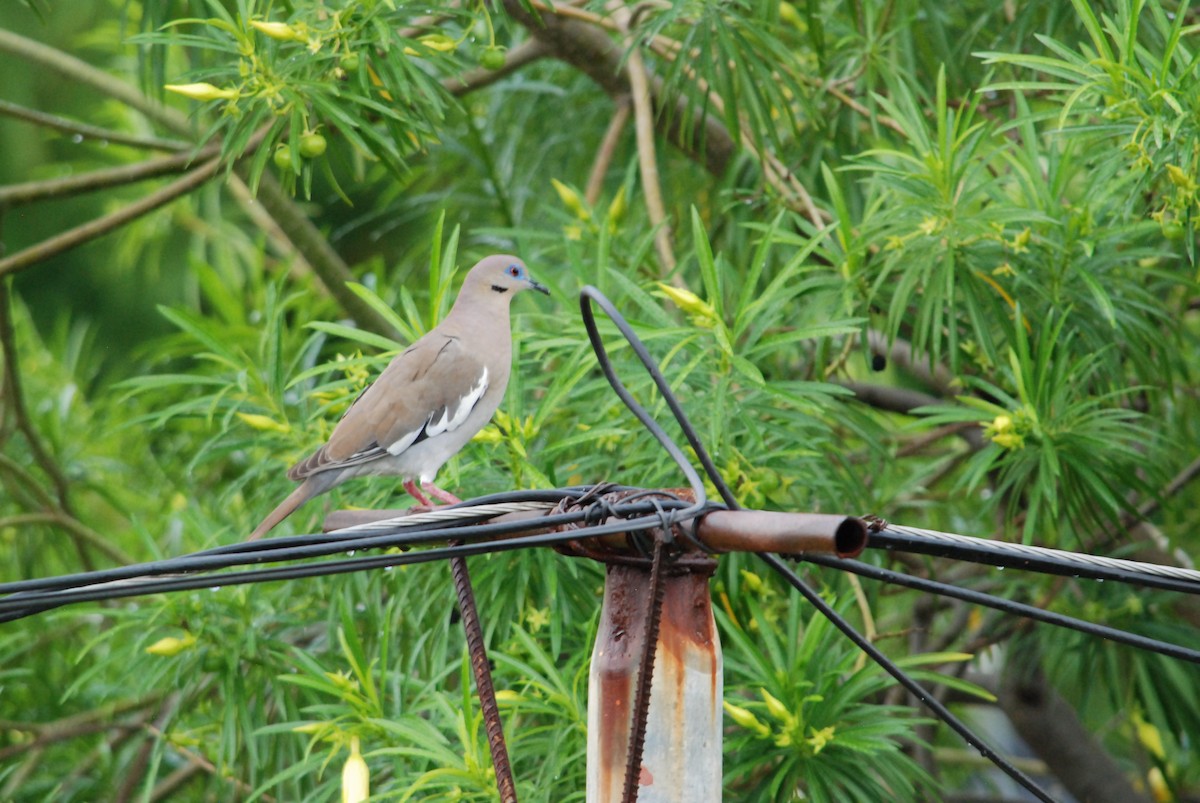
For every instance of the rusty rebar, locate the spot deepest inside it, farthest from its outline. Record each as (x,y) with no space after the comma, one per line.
(483,680)
(641,694)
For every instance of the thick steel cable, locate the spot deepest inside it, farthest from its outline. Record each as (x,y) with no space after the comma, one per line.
(898,538)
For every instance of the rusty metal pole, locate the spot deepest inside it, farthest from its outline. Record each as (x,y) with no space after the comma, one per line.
(681,760)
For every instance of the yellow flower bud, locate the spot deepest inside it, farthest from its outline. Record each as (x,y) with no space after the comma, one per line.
(745,718)
(439,42)
(1185,181)
(278,30)
(1008,440)
(202,91)
(263,422)
(775,706)
(571,200)
(616,210)
(701,312)
(356,776)
(170,646)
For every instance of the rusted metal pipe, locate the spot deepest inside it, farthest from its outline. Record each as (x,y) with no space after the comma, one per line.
(681,756)
(720,530)
(785,533)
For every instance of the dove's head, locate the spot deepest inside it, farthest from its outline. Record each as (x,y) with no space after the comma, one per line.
(500,275)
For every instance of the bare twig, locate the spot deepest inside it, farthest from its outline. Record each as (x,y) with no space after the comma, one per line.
(643,116)
(80,71)
(525,53)
(608,147)
(299,230)
(328,265)
(15,194)
(103,225)
(86,131)
(590,49)
(74,527)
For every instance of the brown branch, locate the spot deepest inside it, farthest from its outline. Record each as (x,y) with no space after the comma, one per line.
(135,772)
(106,135)
(593,52)
(28,192)
(643,118)
(79,531)
(608,148)
(14,398)
(80,72)
(74,726)
(103,225)
(327,264)
(527,52)
(1050,726)
(300,231)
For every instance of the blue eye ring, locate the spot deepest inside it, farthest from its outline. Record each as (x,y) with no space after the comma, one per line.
(514,270)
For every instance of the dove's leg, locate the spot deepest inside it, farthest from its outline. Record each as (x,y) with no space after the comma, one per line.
(438,493)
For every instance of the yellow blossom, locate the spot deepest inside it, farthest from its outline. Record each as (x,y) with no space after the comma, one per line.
(745,718)
(202,91)
(775,707)
(700,311)
(263,422)
(1020,243)
(1181,179)
(753,581)
(170,646)
(278,30)
(820,738)
(1009,440)
(571,200)
(537,618)
(439,42)
(356,776)
(616,210)
(931,225)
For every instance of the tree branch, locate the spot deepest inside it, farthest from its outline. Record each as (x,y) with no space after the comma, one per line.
(608,147)
(28,192)
(1050,726)
(90,131)
(643,118)
(67,240)
(593,52)
(327,264)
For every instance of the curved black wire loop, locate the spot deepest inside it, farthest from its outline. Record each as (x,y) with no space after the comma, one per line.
(591,294)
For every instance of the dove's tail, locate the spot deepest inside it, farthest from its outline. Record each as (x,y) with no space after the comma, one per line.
(314,485)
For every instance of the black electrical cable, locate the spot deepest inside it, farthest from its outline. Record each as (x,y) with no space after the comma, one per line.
(273,550)
(1005,605)
(29,603)
(934,705)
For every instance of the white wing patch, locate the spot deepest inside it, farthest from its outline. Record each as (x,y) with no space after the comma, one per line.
(403,443)
(451,419)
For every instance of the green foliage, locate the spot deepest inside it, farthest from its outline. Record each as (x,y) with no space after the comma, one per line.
(948,276)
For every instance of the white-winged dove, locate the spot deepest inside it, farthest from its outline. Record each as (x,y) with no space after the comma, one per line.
(429,401)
